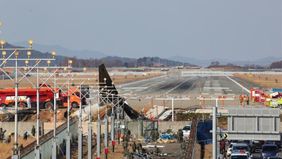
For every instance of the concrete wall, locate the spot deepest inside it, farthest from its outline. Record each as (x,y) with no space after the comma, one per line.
(46,148)
(133,126)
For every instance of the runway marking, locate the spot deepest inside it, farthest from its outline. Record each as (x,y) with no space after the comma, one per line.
(134,88)
(244,88)
(176,86)
(221,88)
(130,83)
(124,87)
(205,93)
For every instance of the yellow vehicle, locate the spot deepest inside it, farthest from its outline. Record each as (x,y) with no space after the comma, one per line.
(274,103)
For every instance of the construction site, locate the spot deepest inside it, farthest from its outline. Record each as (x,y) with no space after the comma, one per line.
(50,111)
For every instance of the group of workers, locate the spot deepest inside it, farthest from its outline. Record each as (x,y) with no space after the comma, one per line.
(244,99)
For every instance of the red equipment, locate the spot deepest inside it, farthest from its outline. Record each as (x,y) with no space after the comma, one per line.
(258,95)
(27,96)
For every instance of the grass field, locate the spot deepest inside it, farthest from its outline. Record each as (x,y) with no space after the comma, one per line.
(265,81)
(77,79)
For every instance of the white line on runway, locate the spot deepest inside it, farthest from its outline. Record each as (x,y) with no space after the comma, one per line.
(244,88)
(221,88)
(177,86)
(134,88)
(135,82)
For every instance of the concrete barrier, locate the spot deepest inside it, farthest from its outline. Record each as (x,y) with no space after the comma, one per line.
(46,141)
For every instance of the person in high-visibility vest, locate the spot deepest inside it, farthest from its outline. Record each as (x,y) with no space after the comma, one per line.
(241,98)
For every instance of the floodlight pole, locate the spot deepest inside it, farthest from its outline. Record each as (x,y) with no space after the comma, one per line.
(106,136)
(89,139)
(37,148)
(54,147)
(16,153)
(80,137)
(98,127)
(68,153)
(113,125)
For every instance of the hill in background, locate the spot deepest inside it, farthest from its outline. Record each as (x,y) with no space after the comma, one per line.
(96,60)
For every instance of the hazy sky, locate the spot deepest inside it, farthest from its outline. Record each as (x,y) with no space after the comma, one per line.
(233,29)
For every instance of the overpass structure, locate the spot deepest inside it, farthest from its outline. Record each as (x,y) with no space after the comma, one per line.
(254,124)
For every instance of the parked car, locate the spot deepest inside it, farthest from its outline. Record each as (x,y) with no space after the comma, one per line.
(229,149)
(269,150)
(276,157)
(240,147)
(240,155)
(186,131)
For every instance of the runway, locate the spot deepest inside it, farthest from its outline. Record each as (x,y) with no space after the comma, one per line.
(171,85)
(158,91)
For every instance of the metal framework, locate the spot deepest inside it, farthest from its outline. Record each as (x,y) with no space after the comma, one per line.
(14,58)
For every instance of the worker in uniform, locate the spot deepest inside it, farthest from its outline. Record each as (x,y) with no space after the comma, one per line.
(180,135)
(248,100)
(139,147)
(2,134)
(25,135)
(133,147)
(33,130)
(155,135)
(241,99)
(156,150)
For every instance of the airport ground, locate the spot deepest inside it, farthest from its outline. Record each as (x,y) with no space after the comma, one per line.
(194,91)
(189,92)
(158,91)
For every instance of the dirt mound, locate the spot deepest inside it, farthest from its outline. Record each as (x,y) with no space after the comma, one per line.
(6,148)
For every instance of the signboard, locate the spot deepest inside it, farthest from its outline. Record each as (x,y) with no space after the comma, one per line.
(253,124)
(204,135)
